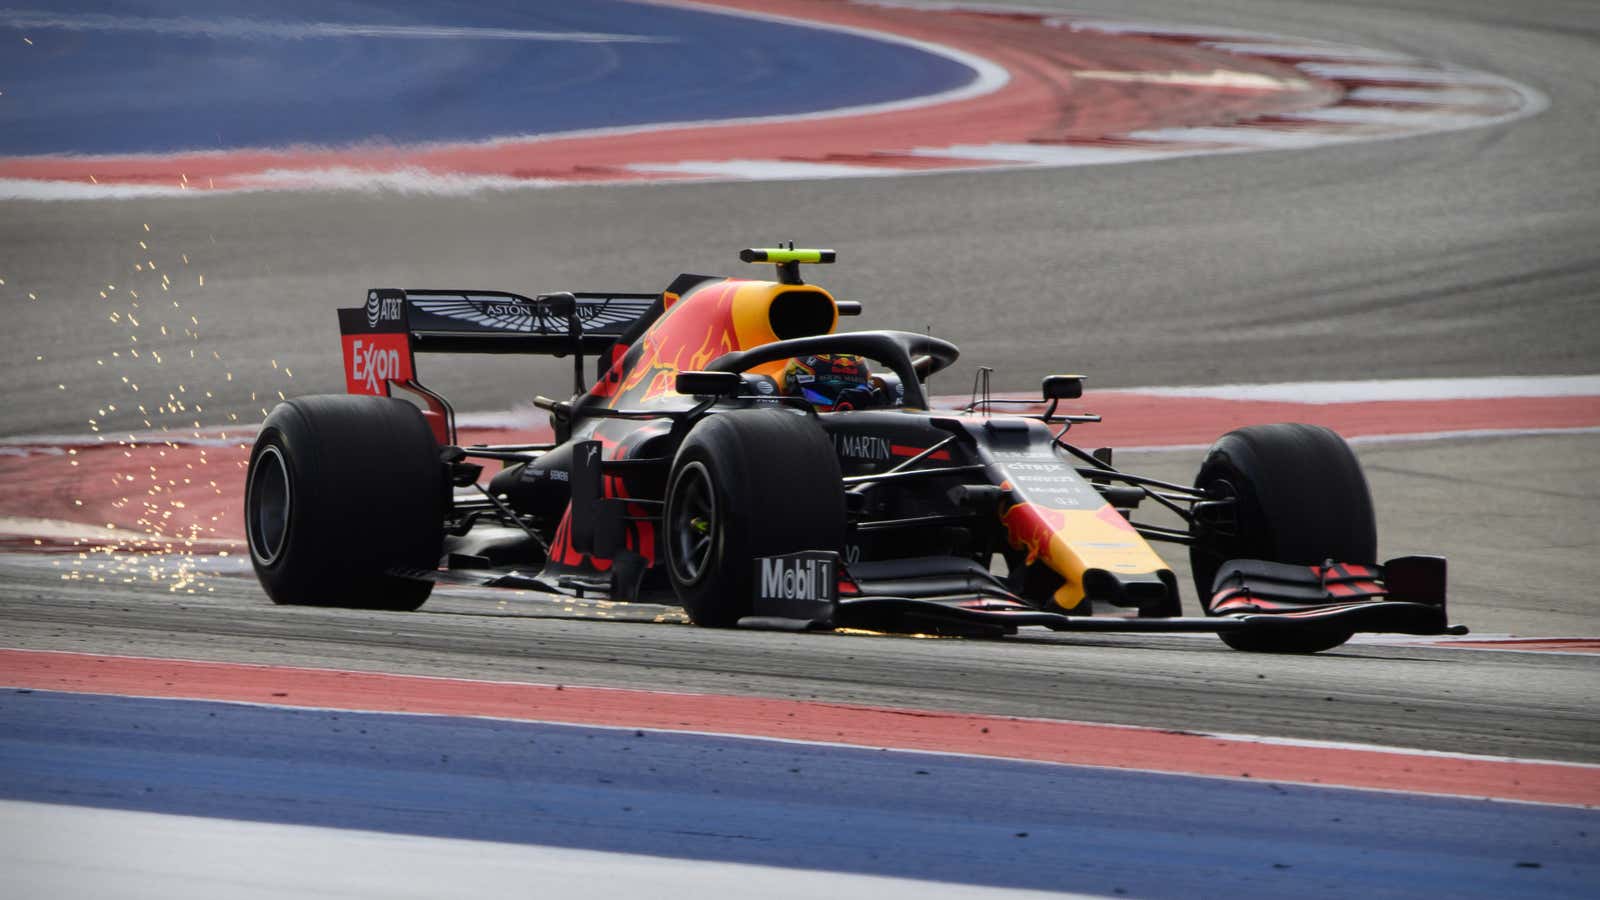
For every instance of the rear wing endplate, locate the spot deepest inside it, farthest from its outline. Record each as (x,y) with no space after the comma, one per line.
(382,337)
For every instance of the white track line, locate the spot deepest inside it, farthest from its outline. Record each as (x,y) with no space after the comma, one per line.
(1496,387)
(1419,73)
(1340,52)
(1143,29)
(1248,136)
(72,851)
(1051,155)
(1441,96)
(761,169)
(1406,438)
(1413,119)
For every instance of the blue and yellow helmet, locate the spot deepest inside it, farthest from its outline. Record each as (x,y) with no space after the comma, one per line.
(830,381)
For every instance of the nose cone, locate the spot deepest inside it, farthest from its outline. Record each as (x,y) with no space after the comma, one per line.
(1096,552)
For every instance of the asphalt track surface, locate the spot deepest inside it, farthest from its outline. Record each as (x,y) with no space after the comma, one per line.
(1469,253)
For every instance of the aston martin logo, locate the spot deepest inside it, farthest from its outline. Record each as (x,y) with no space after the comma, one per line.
(525,316)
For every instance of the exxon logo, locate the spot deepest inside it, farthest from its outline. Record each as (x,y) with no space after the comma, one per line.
(372,366)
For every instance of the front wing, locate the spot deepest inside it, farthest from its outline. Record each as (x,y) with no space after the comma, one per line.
(1404,596)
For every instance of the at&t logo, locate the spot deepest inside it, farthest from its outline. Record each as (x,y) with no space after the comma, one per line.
(382,309)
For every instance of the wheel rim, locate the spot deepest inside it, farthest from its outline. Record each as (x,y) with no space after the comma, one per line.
(694,524)
(267,503)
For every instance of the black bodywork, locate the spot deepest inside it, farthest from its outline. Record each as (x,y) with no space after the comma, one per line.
(930,495)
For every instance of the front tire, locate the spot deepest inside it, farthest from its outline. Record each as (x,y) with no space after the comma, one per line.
(747,484)
(1300,498)
(341,491)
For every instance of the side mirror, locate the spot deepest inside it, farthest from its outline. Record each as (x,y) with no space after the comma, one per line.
(713,384)
(1062,387)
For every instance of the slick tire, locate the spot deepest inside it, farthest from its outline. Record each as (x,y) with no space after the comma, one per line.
(1300,498)
(341,492)
(747,484)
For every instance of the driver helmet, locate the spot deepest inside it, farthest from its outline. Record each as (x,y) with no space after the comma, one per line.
(830,381)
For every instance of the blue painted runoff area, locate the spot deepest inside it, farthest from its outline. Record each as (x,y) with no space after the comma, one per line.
(945,818)
(154,76)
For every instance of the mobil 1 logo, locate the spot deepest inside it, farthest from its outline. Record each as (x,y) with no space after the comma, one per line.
(801,585)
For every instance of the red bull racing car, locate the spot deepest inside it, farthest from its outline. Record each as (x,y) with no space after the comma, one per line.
(736,454)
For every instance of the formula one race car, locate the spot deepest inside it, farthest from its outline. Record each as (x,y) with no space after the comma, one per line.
(738,456)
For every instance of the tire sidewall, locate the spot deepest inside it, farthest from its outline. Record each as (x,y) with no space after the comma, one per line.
(367,495)
(291,574)
(778,490)
(1300,498)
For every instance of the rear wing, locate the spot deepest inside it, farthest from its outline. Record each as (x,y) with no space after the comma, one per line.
(499,322)
(382,337)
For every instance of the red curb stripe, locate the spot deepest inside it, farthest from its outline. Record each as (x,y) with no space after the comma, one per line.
(1562,645)
(1076,743)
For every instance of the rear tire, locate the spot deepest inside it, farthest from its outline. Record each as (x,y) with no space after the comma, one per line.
(747,484)
(341,490)
(1301,499)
